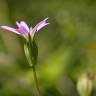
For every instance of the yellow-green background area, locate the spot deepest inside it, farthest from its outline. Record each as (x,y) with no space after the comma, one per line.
(67,46)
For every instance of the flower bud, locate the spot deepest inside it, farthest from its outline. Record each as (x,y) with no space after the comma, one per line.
(85,85)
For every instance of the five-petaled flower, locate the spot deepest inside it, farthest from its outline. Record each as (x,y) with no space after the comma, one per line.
(23,29)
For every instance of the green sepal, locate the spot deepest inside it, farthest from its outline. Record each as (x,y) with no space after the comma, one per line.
(27,54)
(31,52)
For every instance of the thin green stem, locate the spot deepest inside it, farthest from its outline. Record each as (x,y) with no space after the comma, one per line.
(33,56)
(36,80)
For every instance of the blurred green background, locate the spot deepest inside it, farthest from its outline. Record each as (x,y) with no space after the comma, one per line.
(67,47)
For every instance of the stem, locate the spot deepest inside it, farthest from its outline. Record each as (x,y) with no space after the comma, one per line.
(36,80)
(33,56)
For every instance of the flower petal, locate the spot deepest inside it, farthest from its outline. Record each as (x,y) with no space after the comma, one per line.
(40,25)
(24,25)
(10,29)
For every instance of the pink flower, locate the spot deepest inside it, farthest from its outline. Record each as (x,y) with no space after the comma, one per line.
(23,29)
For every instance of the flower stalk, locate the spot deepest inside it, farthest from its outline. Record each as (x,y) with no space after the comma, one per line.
(36,80)
(31,52)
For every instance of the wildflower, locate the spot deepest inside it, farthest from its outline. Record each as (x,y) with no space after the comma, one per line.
(30,47)
(23,29)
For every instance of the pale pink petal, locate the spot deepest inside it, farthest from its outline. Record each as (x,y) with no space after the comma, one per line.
(23,24)
(40,25)
(22,27)
(21,30)
(10,29)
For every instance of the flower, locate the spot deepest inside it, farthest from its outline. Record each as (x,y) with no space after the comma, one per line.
(23,29)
